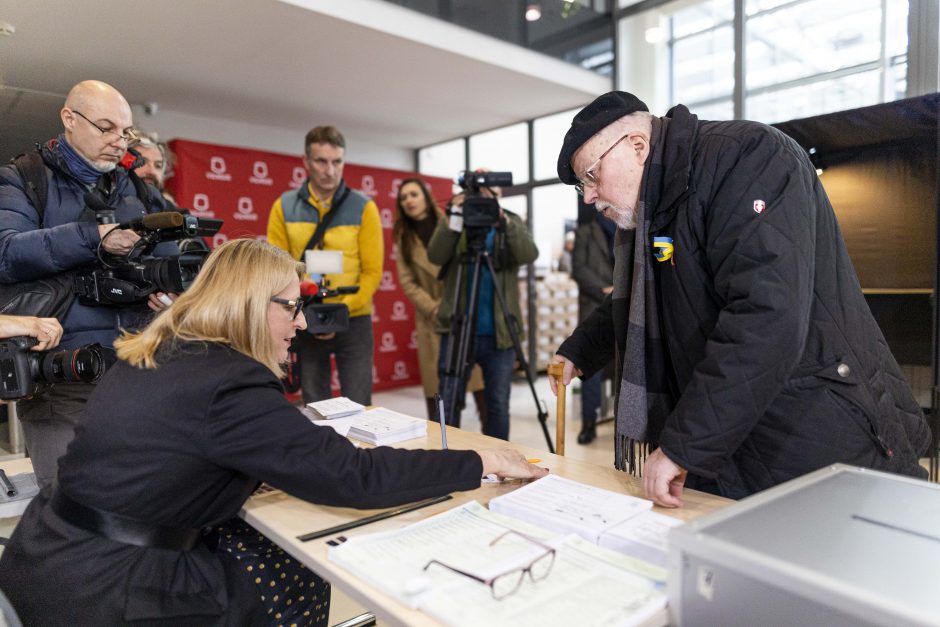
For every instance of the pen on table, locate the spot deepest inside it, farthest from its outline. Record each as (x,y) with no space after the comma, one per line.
(374,518)
(8,486)
(440,416)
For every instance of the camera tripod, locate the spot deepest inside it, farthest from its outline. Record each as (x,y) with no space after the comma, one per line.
(461,345)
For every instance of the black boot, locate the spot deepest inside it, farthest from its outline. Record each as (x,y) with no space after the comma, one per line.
(587,434)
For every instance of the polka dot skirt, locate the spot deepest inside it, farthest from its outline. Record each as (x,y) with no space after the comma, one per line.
(291,594)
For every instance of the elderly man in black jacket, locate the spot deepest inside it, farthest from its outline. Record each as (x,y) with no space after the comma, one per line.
(747,353)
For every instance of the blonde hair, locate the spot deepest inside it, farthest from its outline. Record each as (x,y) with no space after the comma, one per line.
(227,303)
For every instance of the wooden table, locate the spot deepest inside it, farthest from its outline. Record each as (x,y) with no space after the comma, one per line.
(282,518)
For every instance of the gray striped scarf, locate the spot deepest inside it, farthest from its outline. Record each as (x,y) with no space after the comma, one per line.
(643,401)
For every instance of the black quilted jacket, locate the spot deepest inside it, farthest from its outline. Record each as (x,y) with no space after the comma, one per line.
(776,361)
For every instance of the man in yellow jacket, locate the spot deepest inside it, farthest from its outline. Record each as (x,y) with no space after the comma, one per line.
(351,224)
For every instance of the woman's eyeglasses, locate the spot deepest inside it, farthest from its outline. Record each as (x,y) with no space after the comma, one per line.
(294,306)
(505,584)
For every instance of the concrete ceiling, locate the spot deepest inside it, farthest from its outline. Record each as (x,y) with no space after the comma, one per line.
(397,77)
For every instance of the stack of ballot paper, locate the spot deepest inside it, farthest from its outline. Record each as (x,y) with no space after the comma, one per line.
(335,407)
(617,521)
(383,426)
(586,585)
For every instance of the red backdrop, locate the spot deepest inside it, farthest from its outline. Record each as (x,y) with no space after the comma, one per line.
(239,186)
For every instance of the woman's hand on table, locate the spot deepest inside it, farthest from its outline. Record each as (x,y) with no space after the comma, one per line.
(506,462)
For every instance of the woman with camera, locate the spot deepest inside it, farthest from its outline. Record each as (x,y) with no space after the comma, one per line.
(176,437)
(417,217)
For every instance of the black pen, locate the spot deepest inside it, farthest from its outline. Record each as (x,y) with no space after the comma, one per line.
(371,519)
(8,486)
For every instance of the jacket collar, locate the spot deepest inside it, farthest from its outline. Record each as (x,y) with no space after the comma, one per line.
(680,137)
(52,157)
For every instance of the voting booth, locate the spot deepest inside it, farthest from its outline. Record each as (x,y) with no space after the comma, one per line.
(839,546)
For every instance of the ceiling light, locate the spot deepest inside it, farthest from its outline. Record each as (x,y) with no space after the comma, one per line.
(533,11)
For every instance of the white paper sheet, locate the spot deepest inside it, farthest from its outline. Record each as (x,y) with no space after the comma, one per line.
(606,592)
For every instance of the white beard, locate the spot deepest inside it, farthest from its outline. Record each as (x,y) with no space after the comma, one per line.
(623,218)
(103,166)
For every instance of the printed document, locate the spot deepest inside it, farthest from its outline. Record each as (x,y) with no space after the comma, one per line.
(587,585)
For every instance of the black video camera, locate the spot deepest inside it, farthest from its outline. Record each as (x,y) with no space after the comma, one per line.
(123,280)
(24,372)
(480,211)
(327,317)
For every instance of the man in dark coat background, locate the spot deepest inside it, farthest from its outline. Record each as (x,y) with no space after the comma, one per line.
(746,352)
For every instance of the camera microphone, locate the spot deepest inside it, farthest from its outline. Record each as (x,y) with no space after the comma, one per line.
(154,221)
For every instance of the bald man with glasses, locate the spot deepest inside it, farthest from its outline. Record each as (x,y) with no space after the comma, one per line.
(63,235)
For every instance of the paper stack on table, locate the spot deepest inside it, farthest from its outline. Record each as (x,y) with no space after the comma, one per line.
(335,407)
(383,426)
(587,585)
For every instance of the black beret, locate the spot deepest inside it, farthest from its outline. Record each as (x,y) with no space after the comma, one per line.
(605,109)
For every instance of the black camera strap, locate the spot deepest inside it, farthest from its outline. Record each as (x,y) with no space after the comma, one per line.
(341,194)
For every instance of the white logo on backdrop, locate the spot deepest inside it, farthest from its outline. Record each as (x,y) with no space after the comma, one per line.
(413,341)
(388,219)
(400,371)
(246,209)
(368,185)
(218,239)
(396,185)
(297,177)
(398,311)
(259,174)
(388,344)
(388,283)
(217,170)
(201,206)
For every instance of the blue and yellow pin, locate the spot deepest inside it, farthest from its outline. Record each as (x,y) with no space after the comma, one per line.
(663,248)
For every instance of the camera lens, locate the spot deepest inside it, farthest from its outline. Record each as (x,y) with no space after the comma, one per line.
(85,364)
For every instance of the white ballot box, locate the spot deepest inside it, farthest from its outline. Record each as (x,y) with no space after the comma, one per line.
(839,546)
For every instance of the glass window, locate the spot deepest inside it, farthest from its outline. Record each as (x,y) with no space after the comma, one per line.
(703,66)
(552,205)
(702,16)
(444,160)
(723,110)
(548,133)
(809,38)
(839,94)
(503,150)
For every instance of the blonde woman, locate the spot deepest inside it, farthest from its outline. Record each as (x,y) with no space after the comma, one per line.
(417,217)
(176,437)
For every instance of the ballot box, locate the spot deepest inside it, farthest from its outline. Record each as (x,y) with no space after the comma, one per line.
(839,546)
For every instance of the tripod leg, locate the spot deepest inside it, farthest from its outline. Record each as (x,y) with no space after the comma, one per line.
(458,354)
(517,345)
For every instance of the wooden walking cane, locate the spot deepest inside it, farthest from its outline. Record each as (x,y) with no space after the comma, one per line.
(557,371)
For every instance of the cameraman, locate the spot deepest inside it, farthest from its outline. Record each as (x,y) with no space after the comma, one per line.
(63,235)
(510,246)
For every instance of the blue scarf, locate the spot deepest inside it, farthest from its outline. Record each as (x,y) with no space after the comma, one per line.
(77,164)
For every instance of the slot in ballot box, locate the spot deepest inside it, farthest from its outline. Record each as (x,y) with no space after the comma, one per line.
(839,546)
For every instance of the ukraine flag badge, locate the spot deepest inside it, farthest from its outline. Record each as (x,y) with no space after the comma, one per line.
(662,248)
